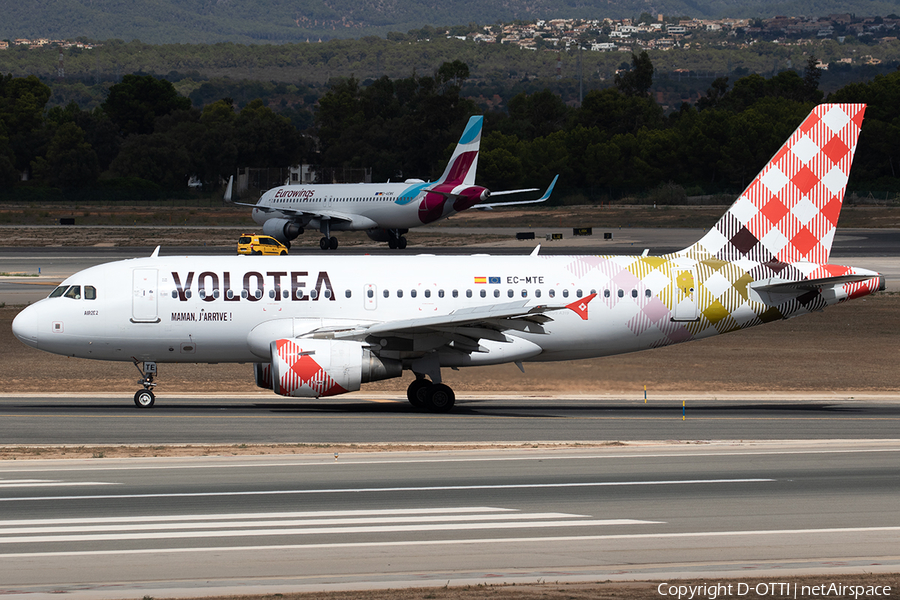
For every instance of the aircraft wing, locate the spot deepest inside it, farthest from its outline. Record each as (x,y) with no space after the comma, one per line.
(543,198)
(462,330)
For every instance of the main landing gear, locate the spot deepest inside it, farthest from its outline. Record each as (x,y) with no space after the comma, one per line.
(328,242)
(144,398)
(396,241)
(433,397)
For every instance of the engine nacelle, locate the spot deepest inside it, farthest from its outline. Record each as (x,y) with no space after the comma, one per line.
(313,368)
(283,230)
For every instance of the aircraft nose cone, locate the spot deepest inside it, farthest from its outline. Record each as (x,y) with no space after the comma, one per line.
(25,327)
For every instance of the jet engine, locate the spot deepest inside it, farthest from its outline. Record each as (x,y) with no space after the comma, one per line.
(312,368)
(283,230)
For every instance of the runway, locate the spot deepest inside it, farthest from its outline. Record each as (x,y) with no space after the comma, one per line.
(162,527)
(362,418)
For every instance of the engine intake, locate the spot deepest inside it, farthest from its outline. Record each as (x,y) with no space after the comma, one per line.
(283,230)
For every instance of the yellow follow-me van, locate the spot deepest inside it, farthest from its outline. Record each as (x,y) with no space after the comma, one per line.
(251,243)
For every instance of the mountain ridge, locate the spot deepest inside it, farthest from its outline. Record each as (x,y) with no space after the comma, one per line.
(284,21)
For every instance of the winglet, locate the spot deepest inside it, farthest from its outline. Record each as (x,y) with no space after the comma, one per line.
(580,307)
(155,253)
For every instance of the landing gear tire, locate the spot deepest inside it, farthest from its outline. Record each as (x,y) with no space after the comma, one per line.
(439,398)
(144,399)
(401,243)
(392,244)
(324,243)
(333,243)
(415,393)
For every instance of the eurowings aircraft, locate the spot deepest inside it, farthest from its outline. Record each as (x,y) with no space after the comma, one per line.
(322,326)
(385,211)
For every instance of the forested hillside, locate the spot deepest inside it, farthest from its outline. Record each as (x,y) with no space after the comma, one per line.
(277,21)
(146,140)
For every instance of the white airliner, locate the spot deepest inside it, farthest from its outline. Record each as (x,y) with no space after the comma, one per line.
(385,211)
(322,326)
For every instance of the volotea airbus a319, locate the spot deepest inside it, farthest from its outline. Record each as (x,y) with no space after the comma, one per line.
(322,326)
(385,211)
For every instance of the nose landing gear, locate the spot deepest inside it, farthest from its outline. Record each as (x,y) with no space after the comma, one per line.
(144,398)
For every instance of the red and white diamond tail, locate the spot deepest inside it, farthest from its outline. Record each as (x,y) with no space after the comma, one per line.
(788,213)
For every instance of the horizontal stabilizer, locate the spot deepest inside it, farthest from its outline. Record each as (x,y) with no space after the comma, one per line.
(808,285)
(543,198)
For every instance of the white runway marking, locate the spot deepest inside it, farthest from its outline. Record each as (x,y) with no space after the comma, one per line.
(287,524)
(31,483)
(439,488)
(455,542)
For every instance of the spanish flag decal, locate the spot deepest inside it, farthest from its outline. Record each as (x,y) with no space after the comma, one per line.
(481,280)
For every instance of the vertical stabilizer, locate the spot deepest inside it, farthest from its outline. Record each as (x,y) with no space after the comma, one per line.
(790,210)
(461,168)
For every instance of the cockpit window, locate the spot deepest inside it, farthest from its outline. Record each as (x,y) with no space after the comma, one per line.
(90,292)
(74,292)
(58,291)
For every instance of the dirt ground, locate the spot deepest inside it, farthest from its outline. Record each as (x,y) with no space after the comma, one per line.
(845,349)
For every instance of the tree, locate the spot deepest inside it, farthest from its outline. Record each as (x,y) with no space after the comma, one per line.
(136,103)
(71,161)
(638,80)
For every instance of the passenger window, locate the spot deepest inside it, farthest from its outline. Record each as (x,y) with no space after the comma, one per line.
(455,294)
(370,293)
(272,294)
(386,294)
(175,293)
(229,294)
(565,293)
(621,293)
(412,293)
(634,293)
(90,292)
(327,294)
(648,293)
(524,293)
(399,293)
(496,293)
(606,293)
(313,294)
(74,292)
(578,294)
(537,293)
(510,293)
(552,293)
(428,293)
(348,293)
(484,293)
(468,293)
(440,293)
